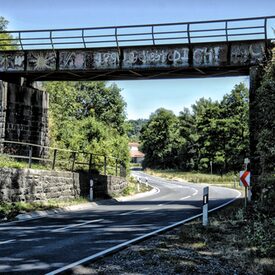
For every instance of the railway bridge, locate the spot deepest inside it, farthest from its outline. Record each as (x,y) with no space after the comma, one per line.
(217,48)
(176,50)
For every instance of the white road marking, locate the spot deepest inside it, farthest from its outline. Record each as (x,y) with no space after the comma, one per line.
(185,198)
(130,212)
(8,241)
(125,244)
(62,229)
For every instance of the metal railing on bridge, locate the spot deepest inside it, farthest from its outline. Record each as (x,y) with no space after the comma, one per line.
(45,157)
(226,30)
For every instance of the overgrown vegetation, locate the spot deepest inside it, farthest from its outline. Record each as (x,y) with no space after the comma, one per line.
(263,132)
(134,187)
(8,162)
(89,117)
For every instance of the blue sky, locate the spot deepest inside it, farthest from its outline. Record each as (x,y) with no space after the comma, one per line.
(142,97)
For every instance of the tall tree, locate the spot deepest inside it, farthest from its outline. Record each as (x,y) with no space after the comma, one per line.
(105,103)
(188,153)
(160,140)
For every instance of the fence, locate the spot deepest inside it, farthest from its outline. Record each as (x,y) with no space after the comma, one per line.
(254,28)
(56,158)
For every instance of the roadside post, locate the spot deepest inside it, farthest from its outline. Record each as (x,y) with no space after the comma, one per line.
(249,192)
(245,181)
(91,190)
(205,199)
(138,185)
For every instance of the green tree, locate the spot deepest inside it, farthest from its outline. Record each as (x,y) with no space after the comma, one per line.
(5,42)
(235,136)
(160,140)
(82,120)
(105,103)
(135,127)
(206,113)
(188,153)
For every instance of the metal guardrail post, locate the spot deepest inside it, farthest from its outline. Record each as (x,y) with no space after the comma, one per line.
(90,162)
(117,43)
(265,28)
(51,39)
(226,31)
(153,37)
(20,41)
(30,157)
(54,158)
(105,165)
(83,39)
(74,159)
(188,33)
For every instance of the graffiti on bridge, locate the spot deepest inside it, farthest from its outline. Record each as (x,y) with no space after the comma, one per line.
(134,58)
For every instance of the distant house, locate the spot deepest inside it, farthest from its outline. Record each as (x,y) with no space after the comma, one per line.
(136,155)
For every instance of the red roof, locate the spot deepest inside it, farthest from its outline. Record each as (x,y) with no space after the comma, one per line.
(136,154)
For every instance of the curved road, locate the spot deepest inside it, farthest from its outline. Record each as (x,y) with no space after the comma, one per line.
(53,244)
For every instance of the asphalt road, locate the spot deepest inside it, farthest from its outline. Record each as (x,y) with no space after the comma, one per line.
(45,245)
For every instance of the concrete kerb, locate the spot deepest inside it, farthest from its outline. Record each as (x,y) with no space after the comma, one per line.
(46,213)
(153,191)
(41,214)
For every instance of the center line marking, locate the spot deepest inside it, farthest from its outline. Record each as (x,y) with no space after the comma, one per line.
(74,225)
(130,212)
(8,241)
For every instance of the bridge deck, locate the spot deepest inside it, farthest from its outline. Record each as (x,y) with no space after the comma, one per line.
(176,50)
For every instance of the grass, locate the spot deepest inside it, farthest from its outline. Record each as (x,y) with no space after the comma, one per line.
(8,162)
(196,177)
(134,187)
(9,211)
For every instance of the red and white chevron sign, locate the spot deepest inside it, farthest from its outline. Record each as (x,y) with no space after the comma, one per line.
(245,178)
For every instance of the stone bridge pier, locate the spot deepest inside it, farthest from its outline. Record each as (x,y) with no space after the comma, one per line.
(23,117)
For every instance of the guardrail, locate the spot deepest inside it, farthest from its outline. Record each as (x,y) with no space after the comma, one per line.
(253,28)
(52,158)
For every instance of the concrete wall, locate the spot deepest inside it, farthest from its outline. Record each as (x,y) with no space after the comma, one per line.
(104,186)
(23,115)
(3,108)
(37,185)
(108,185)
